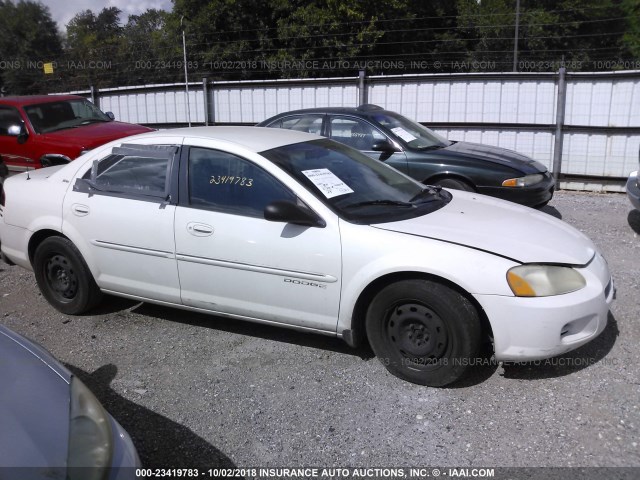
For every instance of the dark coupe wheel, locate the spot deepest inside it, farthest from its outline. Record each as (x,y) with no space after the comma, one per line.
(455,184)
(423,331)
(63,276)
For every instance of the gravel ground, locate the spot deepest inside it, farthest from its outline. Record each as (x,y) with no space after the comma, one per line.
(200,391)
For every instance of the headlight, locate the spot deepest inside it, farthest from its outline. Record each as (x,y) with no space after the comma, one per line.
(543,280)
(525,181)
(90,443)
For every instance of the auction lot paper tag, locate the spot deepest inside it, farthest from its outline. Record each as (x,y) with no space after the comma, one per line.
(327,182)
(403,134)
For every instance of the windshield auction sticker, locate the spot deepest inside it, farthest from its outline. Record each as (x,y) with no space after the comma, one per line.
(403,134)
(330,185)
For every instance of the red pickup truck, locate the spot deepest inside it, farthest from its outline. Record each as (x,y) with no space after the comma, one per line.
(40,131)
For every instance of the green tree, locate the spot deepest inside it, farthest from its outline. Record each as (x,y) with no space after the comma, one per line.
(580,33)
(151,48)
(222,35)
(631,37)
(91,32)
(92,53)
(29,39)
(586,33)
(272,38)
(329,32)
(423,34)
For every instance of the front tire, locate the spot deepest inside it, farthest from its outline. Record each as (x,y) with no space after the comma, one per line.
(64,278)
(423,331)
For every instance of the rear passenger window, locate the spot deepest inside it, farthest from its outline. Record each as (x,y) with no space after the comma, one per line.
(301,123)
(134,170)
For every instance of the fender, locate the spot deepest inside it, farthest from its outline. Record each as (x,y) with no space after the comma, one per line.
(458,264)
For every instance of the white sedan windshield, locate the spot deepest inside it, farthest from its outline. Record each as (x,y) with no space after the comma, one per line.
(357,187)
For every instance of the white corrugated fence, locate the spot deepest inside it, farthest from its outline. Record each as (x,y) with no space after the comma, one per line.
(601,125)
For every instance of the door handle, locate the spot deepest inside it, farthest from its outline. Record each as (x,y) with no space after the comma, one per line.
(199,229)
(80,210)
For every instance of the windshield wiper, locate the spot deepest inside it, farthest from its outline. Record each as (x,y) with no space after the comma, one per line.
(393,203)
(432,191)
(431,147)
(57,129)
(93,120)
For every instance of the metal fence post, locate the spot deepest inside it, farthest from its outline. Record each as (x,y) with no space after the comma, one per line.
(211,102)
(205,99)
(362,88)
(95,99)
(557,149)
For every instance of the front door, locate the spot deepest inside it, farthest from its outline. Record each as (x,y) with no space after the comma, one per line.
(14,155)
(361,135)
(233,261)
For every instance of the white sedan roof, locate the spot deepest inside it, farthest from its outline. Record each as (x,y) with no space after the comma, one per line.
(257,139)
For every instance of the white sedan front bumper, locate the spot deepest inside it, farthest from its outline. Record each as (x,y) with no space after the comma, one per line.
(527,329)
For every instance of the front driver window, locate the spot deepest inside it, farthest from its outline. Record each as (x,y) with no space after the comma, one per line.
(224,182)
(355,133)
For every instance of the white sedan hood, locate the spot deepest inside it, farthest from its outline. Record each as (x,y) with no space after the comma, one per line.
(503,228)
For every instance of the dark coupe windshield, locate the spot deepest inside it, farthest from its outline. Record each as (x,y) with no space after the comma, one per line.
(412,133)
(357,187)
(53,116)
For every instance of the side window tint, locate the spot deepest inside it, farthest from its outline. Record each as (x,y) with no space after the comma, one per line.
(9,117)
(354,133)
(304,123)
(230,184)
(134,170)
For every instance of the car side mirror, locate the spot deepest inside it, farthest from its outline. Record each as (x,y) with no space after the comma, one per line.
(290,212)
(18,131)
(111,116)
(384,146)
(14,130)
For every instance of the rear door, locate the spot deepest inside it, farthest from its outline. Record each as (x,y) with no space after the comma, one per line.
(121,214)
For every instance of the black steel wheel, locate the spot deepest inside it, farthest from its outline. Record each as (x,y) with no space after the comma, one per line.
(423,331)
(63,276)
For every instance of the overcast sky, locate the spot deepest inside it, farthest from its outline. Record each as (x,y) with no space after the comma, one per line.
(64,10)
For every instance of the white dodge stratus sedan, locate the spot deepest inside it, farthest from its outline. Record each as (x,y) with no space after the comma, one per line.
(291,229)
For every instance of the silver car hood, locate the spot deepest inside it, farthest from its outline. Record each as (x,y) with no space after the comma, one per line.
(502,228)
(34,406)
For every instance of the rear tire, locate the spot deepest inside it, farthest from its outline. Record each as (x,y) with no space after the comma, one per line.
(423,331)
(455,184)
(64,278)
